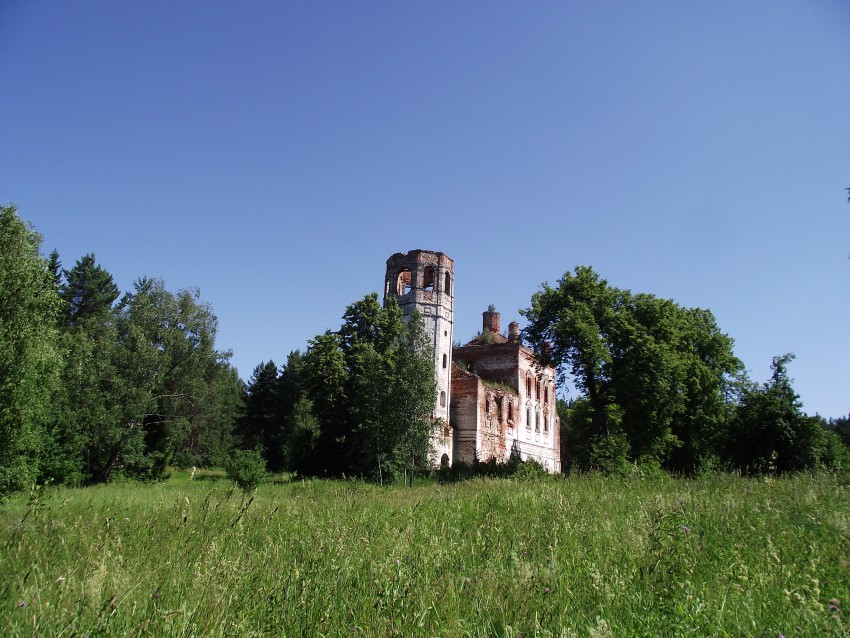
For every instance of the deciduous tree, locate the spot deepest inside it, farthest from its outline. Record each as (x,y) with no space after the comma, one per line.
(30,359)
(652,374)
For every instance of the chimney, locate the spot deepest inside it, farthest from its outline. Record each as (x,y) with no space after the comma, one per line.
(513,332)
(492,321)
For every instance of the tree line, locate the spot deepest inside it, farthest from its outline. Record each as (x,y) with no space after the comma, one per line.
(358,402)
(96,385)
(659,386)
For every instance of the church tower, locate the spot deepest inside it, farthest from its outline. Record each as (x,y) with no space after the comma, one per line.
(424,280)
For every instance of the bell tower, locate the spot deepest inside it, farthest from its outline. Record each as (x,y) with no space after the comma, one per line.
(423,280)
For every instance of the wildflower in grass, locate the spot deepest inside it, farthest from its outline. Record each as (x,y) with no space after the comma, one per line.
(23,603)
(546,590)
(686,529)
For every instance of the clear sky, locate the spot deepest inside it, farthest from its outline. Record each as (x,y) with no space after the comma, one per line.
(275,154)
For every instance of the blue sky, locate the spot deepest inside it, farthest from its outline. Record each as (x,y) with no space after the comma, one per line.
(275,154)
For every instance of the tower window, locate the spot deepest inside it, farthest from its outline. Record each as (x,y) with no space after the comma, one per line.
(428,279)
(447,286)
(403,284)
(528,418)
(442,399)
(445,360)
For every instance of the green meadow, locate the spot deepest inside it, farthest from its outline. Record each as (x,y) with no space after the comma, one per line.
(557,556)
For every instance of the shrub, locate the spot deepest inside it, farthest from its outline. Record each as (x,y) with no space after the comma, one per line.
(247,468)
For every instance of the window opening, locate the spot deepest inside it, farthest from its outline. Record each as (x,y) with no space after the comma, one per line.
(447,286)
(404,282)
(428,279)
(442,399)
(445,360)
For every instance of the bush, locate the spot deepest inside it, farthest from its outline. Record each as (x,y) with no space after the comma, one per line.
(247,468)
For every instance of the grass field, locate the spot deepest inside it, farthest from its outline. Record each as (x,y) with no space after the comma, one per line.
(576,556)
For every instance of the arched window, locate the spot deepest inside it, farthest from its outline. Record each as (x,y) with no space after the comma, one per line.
(428,279)
(546,394)
(447,286)
(528,418)
(445,360)
(537,388)
(510,411)
(546,424)
(404,282)
(537,421)
(528,386)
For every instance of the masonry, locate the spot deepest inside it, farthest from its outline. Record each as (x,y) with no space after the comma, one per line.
(494,399)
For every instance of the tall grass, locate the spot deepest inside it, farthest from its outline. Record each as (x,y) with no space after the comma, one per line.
(576,556)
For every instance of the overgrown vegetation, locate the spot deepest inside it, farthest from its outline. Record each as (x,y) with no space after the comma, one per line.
(582,555)
(660,387)
(358,402)
(96,386)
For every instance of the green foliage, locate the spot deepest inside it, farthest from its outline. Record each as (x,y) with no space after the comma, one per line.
(583,555)
(841,427)
(30,359)
(247,468)
(300,450)
(770,432)
(88,292)
(492,468)
(372,392)
(652,374)
(141,382)
(262,414)
(168,362)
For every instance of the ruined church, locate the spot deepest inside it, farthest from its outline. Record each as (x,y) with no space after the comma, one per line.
(493,399)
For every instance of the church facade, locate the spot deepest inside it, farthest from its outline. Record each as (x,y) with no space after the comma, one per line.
(494,400)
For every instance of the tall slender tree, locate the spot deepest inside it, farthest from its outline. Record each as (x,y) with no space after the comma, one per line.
(30,359)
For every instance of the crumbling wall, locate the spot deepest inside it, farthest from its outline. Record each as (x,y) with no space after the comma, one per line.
(467,393)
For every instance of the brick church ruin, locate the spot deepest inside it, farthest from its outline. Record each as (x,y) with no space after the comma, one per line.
(493,399)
